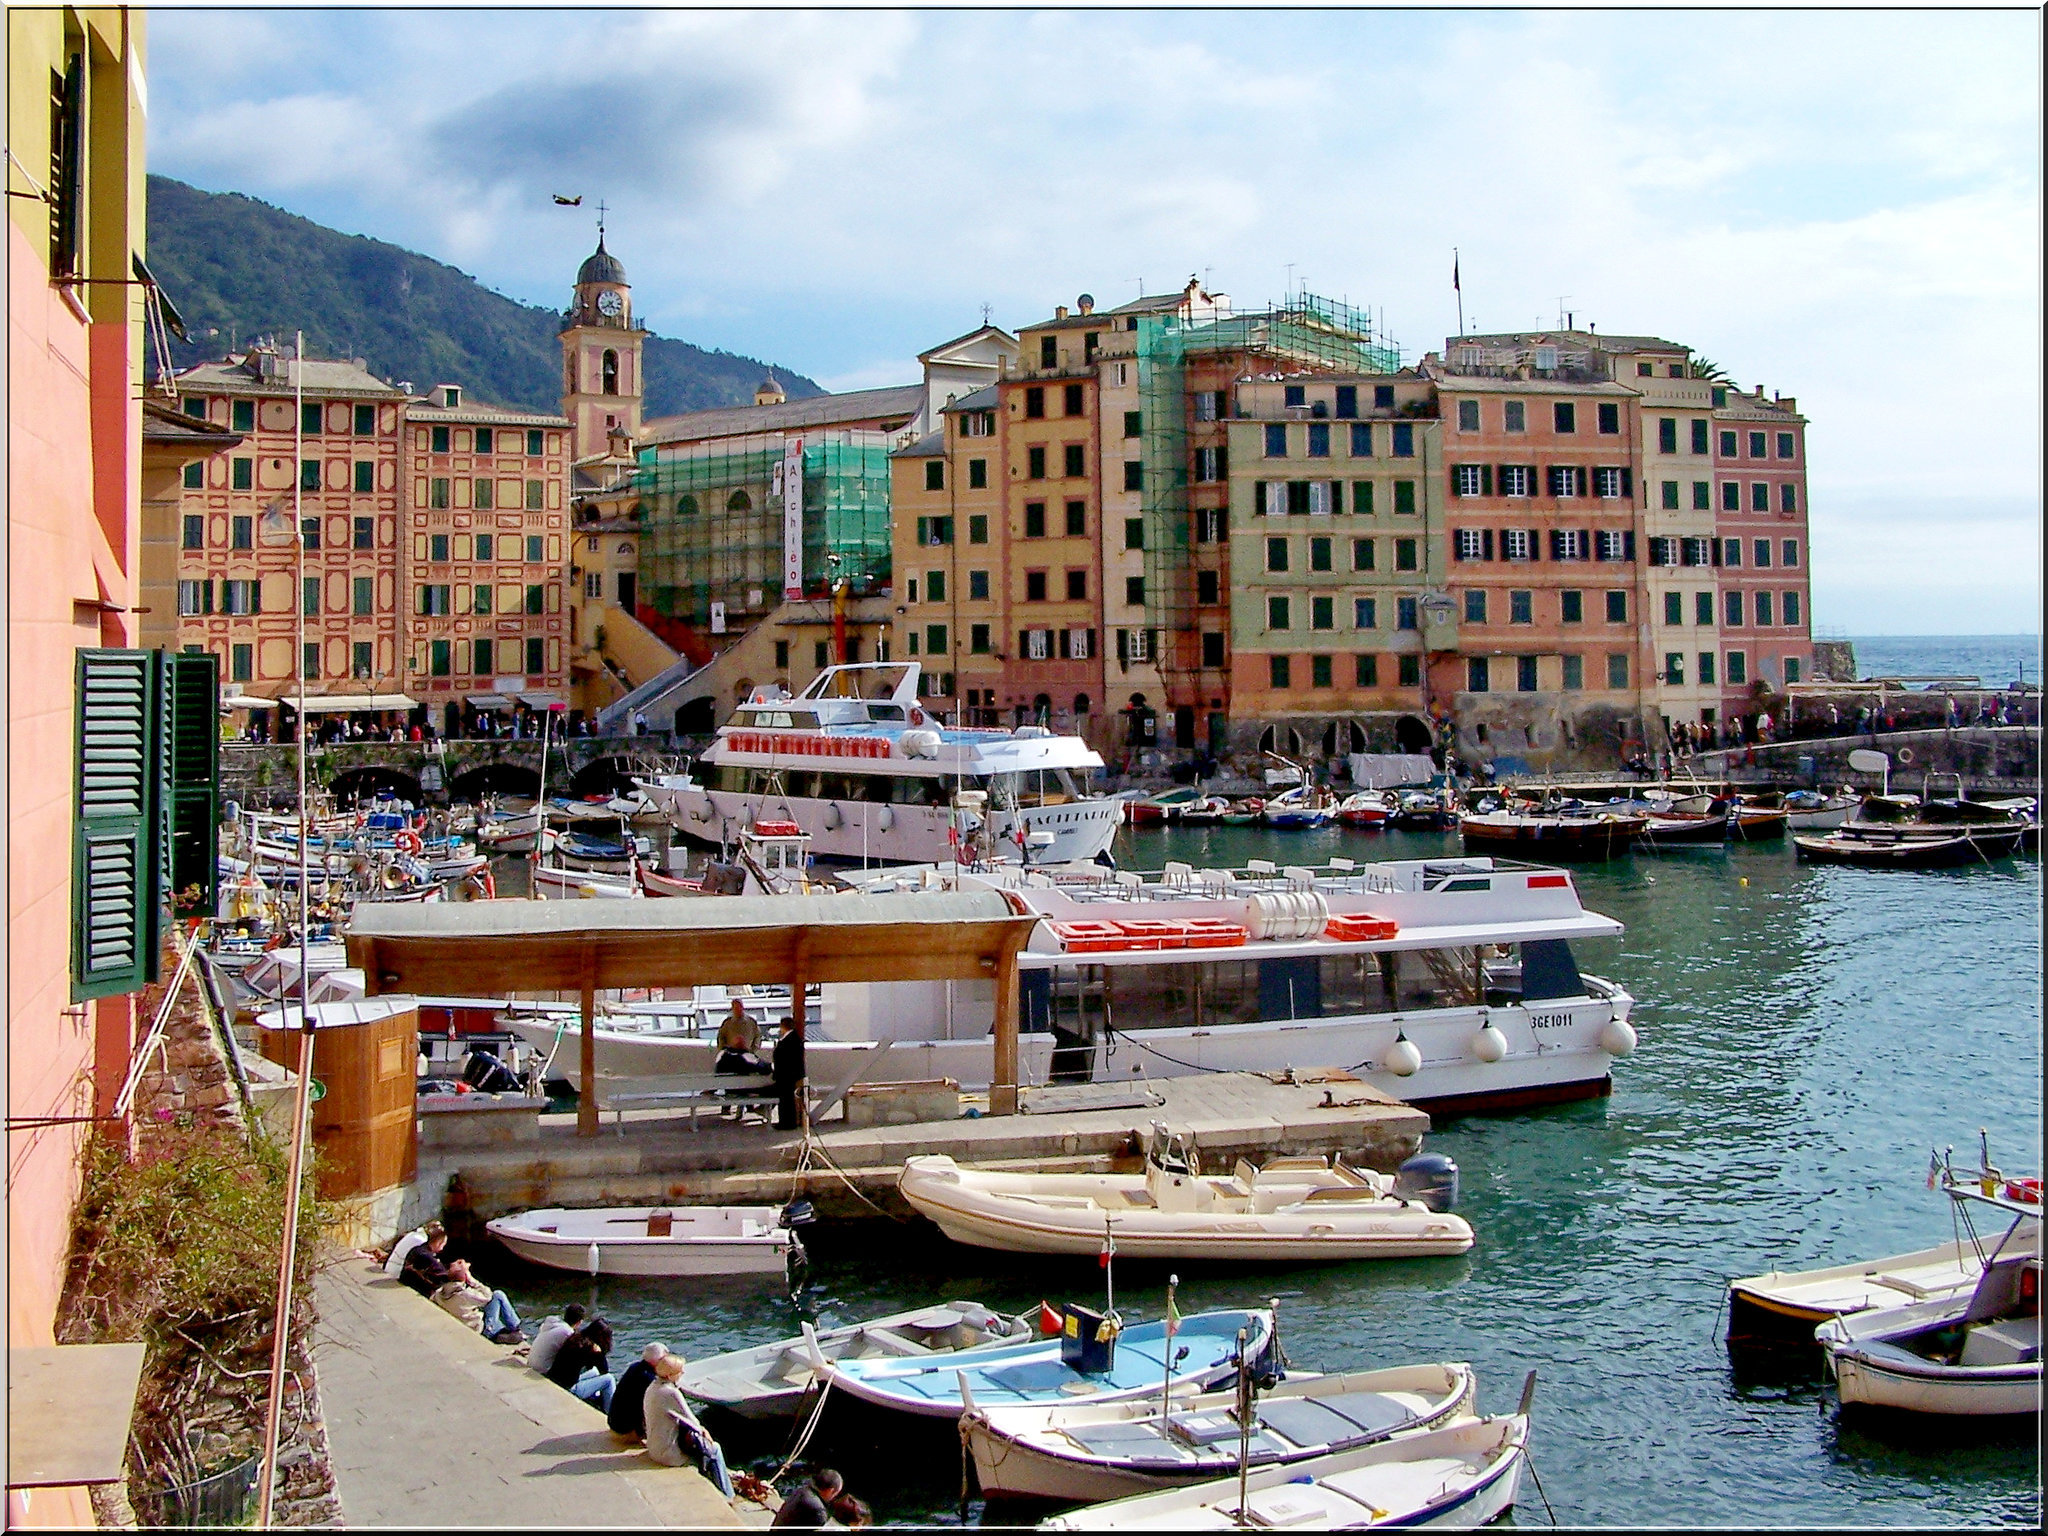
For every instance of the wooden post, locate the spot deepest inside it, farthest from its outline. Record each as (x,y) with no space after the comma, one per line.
(798,954)
(1002,1088)
(586,1078)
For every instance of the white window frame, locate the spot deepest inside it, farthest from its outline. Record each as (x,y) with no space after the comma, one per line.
(1468,480)
(1471,546)
(1037,644)
(1514,480)
(1517,544)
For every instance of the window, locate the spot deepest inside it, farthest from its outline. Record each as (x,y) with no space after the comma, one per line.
(534,442)
(1674,666)
(1034,519)
(1365,671)
(1617,607)
(1514,480)
(1468,415)
(480,497)
(1208,588)
(1134,422)
(1361,497)
(1703,610)
(1610,418)
(1297,497)
(1756,445)
(1614,544)
(1574,673)
(1383,397)
(1727,445)
(1034,586)
(1296,394)
(1475,606)
(1322,613)
(1279,613)
(1361,439)
(1731,496)
(311,417)
(593,584)
(1731,551)
(437,547)
(1347,400)
(1788,498)
(1361,554)
(1706,669)
(1134,533)
(1034,461)
(1731,606)
(309,594)
(484,440)
(1607,484)
(1525,674)
(1760,604)
(1617,669)
(1568,544)
(1405,609)
(242,533)
(440,440)
(1410,671)
(1077,519)
(1785,452)
(1365,613)
(536,495)
(1564,416)
(536,548)
(1134,471)
(1319,672)
(1276,554)
(1279,673)
(440,658)
(1211,465)
(1404,554)
(1667,434)
(1521,608)
(1077,586)
(977,586)
(483,656)
(1476,670)
(1674,608)
(1072,402)
(1663,551)
(1076,463)
(363,595)
(195,476)
(1759,497)
(1699,435)
(1048,352)
(1668,495)
(1319,439)
(1276,441)
(483,546)
(1763,554)
(1571,607)
(359,659)
(243,662)
(1792,665)
(1470,544)
(435,599)
(1134,591)
(1319,555)
(1212,648)
(1034,399)
(978,639)
(935,640)
(977,474)
(1404,440)
(195,530)
(480,601)
(1468,480)
(309,659)
(1208,403)
(536,656)
(243,416)
(935,587)
(536,598)
(1788,554)
(935,474)
(1404,496)
(1517,544)
(977,528)
(195,597)
(1738,667)
(1696,551)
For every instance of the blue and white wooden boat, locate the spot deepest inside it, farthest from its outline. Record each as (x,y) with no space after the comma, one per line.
(1033,1372)
(1459,1477)
(1298,810)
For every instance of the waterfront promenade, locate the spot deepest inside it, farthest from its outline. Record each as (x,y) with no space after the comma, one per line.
(431,1425)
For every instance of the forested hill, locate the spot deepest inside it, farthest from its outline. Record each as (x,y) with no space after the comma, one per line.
(239,268)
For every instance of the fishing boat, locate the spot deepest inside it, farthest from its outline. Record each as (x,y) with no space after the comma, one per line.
(769,1381)
(1293,1209)
(1427,810)
(1901,849)
(1120,1362)
(1367,810)
(1165,806)
(642,1240)
(1209,811)
(562,882)
(1300,809)
(1244,813)
(1974,1351)
(1561,834)
(1685,829)
(1090,1452)
(859,763)
(1757,823)
(1809,810)
(1784,1307)
(1461,1476)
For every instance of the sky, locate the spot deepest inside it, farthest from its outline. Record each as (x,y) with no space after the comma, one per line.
(1843,206)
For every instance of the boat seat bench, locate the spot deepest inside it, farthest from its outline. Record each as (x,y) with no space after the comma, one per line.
(694,1091)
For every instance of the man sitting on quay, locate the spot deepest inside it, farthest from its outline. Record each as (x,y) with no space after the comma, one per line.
(581,1366)
(739,1042)
(549,1338)
(674,1435)
(452,1287)
(629,1397)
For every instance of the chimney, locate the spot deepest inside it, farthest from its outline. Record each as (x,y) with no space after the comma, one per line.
(1060,313)
(1087,303)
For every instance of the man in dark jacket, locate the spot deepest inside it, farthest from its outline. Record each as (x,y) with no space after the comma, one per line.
(629,1397)
(789,1075)
(810,1504)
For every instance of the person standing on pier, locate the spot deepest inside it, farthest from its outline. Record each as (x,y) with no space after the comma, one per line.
(789,1071)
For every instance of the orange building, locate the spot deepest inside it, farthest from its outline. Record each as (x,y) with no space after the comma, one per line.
(1766,629)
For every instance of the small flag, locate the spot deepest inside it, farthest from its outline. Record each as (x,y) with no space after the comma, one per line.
(1172,1314)
(1454,273)
(1108,1251)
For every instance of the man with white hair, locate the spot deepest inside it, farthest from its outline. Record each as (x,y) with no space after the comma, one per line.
(624,1415)
(674,1436)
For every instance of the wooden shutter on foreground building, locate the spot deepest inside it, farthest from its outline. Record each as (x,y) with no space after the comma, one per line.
(193,760)
(116,830)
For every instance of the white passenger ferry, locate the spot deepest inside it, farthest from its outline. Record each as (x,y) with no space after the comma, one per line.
(1449,983)
(858,763)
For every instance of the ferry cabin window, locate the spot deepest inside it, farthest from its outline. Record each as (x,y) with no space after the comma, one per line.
(1338,986)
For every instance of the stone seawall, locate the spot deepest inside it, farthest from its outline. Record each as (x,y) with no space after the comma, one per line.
(1994,757)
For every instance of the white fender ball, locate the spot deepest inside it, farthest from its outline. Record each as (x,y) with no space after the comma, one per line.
(1617,1037)
(887,819)
(1489,1044)
(1403,1059)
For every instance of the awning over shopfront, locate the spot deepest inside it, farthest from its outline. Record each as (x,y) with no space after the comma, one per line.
(332,703)
(487,701)
(542,700)
(246,701)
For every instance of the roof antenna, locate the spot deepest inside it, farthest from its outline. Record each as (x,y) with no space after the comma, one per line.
(985,314)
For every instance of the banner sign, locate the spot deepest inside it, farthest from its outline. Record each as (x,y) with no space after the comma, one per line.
(793,518)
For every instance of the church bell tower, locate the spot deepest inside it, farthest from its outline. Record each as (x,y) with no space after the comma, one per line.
(601,383)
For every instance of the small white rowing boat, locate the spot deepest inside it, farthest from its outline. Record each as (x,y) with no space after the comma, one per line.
(1089,1452)
(1292,1209)
(644,1240)
(1787,1307)
(1458,1477)
(769,1380)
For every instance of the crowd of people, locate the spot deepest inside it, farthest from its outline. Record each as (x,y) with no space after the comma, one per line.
(642,1403)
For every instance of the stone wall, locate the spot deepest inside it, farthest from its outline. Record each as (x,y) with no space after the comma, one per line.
(1989,757)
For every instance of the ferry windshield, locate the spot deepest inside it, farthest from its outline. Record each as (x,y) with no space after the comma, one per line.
(874,680)
(1036,786)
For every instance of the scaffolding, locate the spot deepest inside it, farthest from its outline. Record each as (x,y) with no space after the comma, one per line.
(711,519)
(1321,333)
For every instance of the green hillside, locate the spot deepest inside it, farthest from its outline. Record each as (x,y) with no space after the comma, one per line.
(239,268)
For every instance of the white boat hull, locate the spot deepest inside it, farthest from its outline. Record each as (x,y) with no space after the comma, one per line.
(701,1242)
(854,831)
(1977,1391)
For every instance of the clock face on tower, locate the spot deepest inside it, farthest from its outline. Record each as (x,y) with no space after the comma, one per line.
(609,305)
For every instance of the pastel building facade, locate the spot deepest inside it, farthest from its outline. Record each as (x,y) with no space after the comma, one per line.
(1766,628)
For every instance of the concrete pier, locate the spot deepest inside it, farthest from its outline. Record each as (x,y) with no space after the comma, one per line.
(659,1161)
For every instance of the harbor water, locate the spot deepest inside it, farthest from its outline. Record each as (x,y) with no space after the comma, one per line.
(1808,1035)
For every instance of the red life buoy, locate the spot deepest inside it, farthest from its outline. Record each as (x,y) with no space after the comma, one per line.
(2027,1191)
(408,841)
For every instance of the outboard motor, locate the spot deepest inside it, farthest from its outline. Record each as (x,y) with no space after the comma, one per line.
(798,1213)
(1429,1177)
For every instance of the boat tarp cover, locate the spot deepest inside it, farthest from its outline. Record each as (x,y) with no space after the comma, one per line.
(1548,970)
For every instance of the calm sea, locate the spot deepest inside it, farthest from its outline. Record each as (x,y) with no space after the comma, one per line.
(1994,660)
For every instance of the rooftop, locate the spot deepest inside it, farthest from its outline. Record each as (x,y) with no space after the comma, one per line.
(931,446)
(896,402)
(481,412)
(265,371)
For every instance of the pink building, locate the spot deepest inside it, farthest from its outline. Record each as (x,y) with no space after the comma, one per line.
(1760,525)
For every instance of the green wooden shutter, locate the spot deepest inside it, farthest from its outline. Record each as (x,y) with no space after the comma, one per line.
(115,854)
(194,770)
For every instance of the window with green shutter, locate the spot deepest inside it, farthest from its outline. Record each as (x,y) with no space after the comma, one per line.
(193,686)
(116,847)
